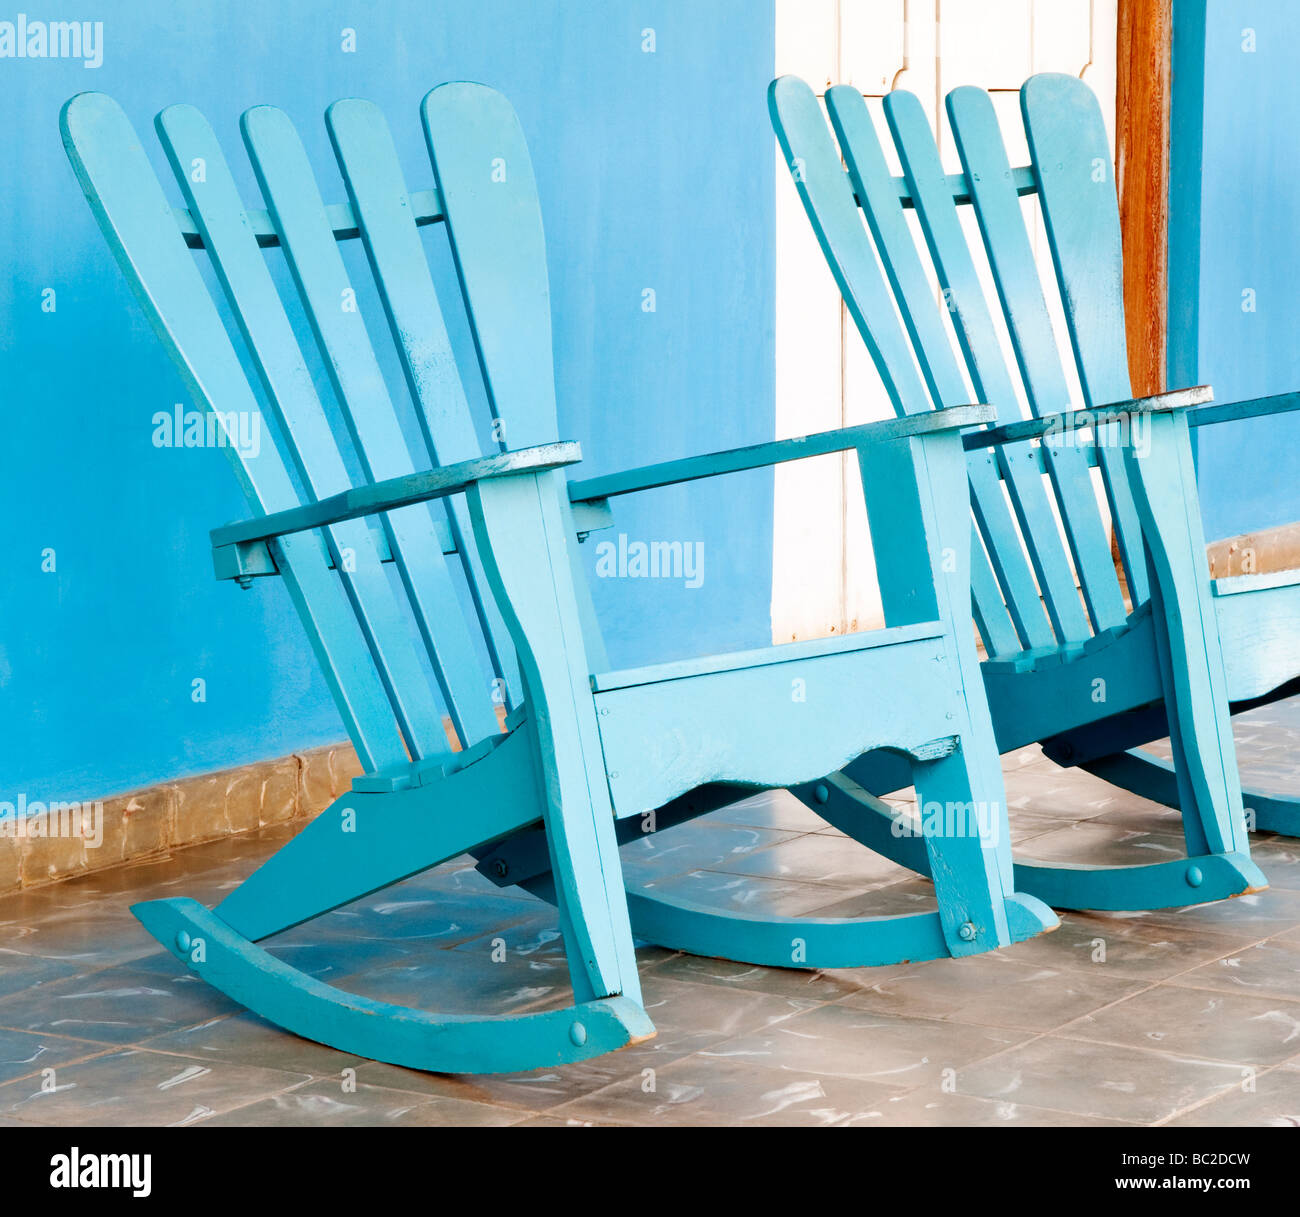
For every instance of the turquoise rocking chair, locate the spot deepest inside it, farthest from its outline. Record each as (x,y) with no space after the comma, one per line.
(1070,663)
(484,551)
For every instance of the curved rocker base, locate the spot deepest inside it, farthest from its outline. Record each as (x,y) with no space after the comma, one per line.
(1159,885)
(1151,777)
(857,813)
(815,942)
(399,1035)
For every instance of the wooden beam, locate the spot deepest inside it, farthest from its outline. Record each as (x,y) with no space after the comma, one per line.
(1142,170)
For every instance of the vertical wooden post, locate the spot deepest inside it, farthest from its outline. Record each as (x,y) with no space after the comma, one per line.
(1142,95)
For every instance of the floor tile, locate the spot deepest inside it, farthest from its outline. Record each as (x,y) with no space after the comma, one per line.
(1265,969)
(840,1041)
(1197,1022)
(1068,794)
(1271,1100)
(21,973)
(992,990)
(705,1090)
(1252,917)
(134,1087)
(717,889)
(68,928)
(246,1039)
(116,1006)
(911,895)
(818,858)
(688,1018)
(937,1109)
(698,845)
(1279,859)
(1106,945)
(328,1104)
(781,982)
(776,809)
(1099,844)
(24,1053)
(1116,1083)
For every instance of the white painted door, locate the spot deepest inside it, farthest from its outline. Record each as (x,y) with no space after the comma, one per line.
(823,576)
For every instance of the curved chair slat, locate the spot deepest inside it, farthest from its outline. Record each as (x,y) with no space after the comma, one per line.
(367,157)
(289,187)
(221,221)
(990,376)
(1076,186)
(1001,217)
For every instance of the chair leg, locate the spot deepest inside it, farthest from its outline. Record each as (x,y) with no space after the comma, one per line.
(520,524)
(964,822)
(1187,639)
(864,817)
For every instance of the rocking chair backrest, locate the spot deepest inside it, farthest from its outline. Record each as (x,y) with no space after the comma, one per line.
(391,666)
(1024,577)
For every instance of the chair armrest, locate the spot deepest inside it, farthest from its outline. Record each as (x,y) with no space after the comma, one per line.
(1254,407)
(1072,420)
(397,492)
(758,456)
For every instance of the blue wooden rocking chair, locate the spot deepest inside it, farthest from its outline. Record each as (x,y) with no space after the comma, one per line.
(483,549)
(1070,664)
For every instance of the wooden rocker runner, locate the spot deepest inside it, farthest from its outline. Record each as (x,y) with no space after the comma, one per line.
(1070,663)
(484,551)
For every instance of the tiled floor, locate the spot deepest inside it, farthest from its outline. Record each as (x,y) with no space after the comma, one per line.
(1176,1017)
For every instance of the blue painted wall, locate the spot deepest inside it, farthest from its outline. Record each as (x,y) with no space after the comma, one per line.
(655,172)
(1235,229)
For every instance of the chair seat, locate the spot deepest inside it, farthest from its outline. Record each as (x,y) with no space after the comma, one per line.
(807,708)
(1232,585)
(785,652)
(1038,658)
(1257,617)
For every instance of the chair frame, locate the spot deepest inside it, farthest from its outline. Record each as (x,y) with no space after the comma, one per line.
(1046,598)
(586,751)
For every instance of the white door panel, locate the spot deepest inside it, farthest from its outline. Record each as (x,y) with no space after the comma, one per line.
(872,44)
(823,576)
(808,40)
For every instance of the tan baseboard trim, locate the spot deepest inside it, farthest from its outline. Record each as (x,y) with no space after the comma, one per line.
(1256,553)
(173,815)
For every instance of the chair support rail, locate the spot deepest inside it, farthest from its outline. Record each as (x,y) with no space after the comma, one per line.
(1252,407)
(425,205)
(398,492)
(759,456)
(1074,420)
